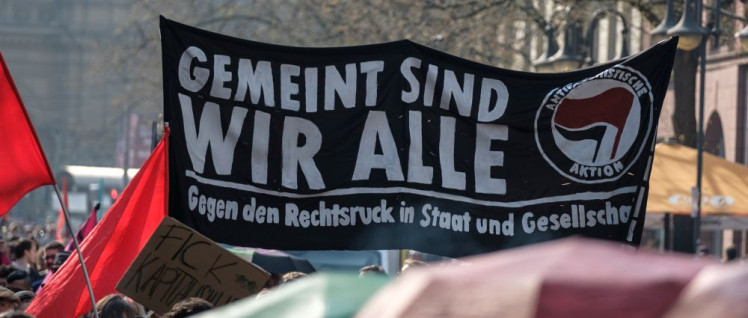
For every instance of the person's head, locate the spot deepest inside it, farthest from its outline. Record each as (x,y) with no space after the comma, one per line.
(273,280)
(24,297)
(5,270)
(16,314)
(188,307)
(371,270)
(24,250)
(291,276)
(139,309)
(60,259)
(50,252)
(114,306)
(19,280)
(410,264)
(8,300)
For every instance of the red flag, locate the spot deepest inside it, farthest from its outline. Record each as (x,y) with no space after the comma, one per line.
(23,166)
(112,246)
(85,229)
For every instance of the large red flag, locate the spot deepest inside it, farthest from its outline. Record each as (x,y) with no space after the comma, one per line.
(113,244)
(23,166)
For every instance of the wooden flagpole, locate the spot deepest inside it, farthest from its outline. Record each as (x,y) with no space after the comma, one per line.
(78,250)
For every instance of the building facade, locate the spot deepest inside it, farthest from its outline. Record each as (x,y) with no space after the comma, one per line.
(52,49)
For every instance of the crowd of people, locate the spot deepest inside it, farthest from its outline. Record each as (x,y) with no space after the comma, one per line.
(31,254)
(27,257)
(119,306)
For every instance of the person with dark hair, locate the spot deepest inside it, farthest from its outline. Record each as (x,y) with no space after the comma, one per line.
(291,276)
(23,254)
(188,307)
(140,310)
(60,258)
(114,306)
(50,252)
(19,280)
(8,300)
(24,297)
(4,272)
(25,257)
(273,281)
(371,270)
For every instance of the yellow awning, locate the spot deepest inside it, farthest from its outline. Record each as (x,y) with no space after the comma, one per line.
(724,184)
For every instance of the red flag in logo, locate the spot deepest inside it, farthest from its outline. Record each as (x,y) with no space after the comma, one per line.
(23,166)
(611,107)
(112,245)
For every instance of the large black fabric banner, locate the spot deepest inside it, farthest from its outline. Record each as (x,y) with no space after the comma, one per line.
(397,145)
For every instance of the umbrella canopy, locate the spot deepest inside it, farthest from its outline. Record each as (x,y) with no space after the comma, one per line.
(566,278)
(319,295)
(273,261)
(724,184)
(718,291)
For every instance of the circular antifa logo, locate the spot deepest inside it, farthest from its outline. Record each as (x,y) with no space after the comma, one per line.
(594,130)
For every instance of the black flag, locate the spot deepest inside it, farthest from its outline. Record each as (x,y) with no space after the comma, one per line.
(400,146)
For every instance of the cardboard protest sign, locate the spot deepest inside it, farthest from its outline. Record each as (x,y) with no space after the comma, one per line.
(179,263)
(400,146)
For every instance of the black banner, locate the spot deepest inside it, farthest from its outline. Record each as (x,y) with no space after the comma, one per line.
(399,146)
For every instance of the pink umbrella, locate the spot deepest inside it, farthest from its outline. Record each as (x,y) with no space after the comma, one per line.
(718,291)
(566,278)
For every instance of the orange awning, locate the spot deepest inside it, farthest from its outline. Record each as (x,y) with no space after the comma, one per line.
(724,184)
